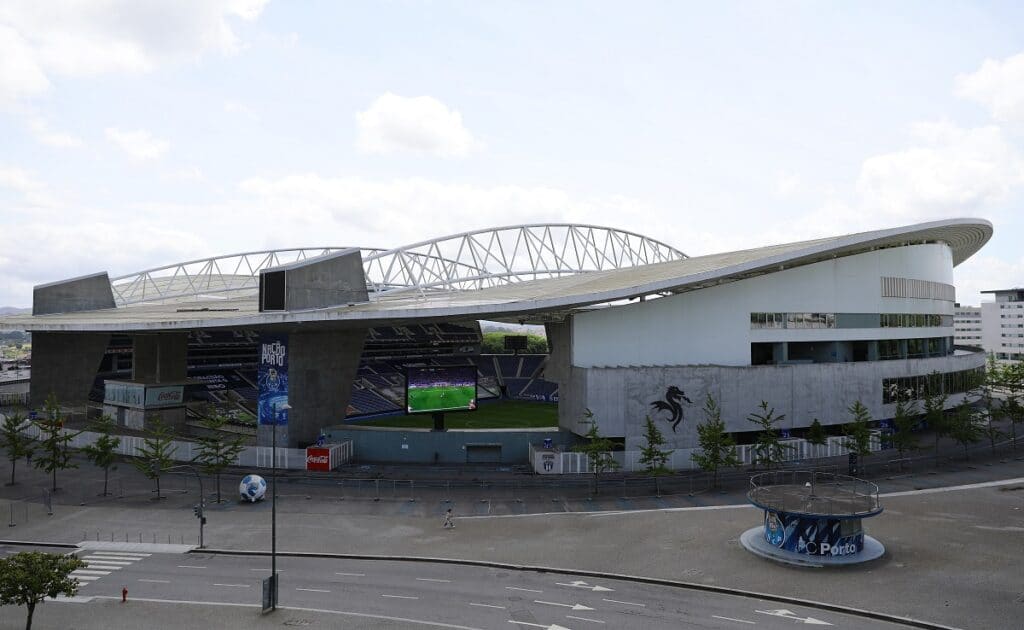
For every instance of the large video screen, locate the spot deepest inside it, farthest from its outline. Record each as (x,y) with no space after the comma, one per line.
(440,388)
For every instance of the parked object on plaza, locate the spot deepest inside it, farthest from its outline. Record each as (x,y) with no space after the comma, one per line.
(253,488)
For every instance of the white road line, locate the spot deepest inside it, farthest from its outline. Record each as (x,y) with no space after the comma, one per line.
(189,566)
(234,585)
(753,623)
(87,578)
(399,596)
(352,574)
(313,590)
(107,562)
(584,619)
(122,553)
(105,567)
(615,601)
(155,581)
(486,605)
(433,580)
(110,557)
(89,572)
(527,590)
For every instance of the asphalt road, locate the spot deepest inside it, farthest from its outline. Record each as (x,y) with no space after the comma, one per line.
(425,594)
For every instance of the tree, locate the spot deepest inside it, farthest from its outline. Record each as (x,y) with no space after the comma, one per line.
(816,434)
(16,443)
(768,448)
(858,431)
(55,447)
(154,457)
(651,456)
(597,448)
(993,410)
(217,451)
(904,421)
(717,448)
(1011,381)
(101,453)
(962,426)
(29,577)
(934,409)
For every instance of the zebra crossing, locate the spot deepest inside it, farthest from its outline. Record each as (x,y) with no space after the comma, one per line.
(103,563)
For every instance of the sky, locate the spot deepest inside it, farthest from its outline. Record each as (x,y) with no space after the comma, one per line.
(138,134)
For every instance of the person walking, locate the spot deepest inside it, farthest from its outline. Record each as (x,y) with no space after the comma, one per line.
(448,522)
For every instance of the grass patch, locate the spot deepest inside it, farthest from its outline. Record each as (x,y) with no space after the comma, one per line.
(507,414)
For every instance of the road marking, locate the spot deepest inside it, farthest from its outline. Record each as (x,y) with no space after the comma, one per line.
(121,553)
(553,626)
(89,572)
(615,601)
(585,586)
(105,567)
(789,614)
(155,581)
(572,606)
(107,556)
(87,578)
(279,571)
(753,623)
(584,619)
(235,585)
(399,596)
(352,574)
(189,566)
(433,580)
(486,605)
(526,590)
(313,590)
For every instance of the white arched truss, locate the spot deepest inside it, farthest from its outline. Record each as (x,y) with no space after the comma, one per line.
(472,260)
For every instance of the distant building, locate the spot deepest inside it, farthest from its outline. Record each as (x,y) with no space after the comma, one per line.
(967,325)
(1003,324)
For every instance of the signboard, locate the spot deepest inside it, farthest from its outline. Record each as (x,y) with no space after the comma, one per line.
(812,535)
(318,459)
(125,394)
(165,396)
(273,379)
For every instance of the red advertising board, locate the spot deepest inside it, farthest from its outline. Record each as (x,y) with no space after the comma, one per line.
(318,458)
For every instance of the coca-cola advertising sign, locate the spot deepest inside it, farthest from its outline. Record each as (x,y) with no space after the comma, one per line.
(318,458)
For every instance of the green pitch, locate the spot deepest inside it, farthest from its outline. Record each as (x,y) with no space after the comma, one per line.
(505,414)
(441,398)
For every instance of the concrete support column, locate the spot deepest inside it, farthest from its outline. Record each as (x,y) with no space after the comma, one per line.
(872,351)
(780,352)
(322,366)
(559,351)
(161,358)
(65,365)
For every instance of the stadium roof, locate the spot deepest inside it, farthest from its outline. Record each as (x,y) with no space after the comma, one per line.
(566,268)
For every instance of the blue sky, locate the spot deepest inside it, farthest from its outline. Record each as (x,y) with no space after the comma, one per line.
(136,134)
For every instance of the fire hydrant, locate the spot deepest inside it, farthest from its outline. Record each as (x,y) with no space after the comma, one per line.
(124,594)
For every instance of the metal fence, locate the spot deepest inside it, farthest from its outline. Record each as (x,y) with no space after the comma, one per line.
(814,492)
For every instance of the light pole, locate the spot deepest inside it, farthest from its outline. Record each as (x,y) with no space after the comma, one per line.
(273,506)
(198,510)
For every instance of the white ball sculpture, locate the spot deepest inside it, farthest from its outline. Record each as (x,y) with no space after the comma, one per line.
(253,488)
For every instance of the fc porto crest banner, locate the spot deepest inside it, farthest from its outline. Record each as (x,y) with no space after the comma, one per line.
(273,379)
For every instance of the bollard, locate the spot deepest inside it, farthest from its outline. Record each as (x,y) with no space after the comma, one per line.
(140,537)
(124,594)
(12,523)
(412,491)
(111,536)
(376,489)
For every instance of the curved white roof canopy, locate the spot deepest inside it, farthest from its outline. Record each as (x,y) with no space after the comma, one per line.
(532,300)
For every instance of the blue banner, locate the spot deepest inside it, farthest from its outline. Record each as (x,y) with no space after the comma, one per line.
(273,379)
(813,536)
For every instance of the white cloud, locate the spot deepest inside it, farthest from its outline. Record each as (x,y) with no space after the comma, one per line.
(999,86)
(234,107)
(42,132)
(32,193)
(423,124)
(951,170)
(39,40)
(139,144)
(786,184)
(985,273)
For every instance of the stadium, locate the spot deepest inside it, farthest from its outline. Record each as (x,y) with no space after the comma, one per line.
(312,340)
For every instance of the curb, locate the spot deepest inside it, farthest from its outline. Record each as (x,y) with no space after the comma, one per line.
(859,612)
(28,543)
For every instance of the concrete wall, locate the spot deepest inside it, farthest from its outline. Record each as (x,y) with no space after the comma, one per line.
(87,293)
(65,365)
(322,366)
(620,398)
(160,358)
(332,280)
(712,326)
(421,445)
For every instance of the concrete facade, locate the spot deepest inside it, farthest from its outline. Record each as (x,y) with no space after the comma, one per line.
(86,293)
(65,365)
(332,280)
(160,358)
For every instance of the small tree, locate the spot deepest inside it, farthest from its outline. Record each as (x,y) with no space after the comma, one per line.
(597,448)
(993,411)
(934,409)
(904,438)
(29,577)
(155,455)
(55,447)
(717,448)
(768,448)
(217,451)
(816,434)
(963,428)
(1011,381)
(102,452)
(858,431)
(652,456)
(16,443)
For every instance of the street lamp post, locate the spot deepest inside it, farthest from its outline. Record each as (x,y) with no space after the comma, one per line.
(200,509)
(273,506)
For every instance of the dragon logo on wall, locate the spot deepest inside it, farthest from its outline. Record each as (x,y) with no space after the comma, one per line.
(672,405)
